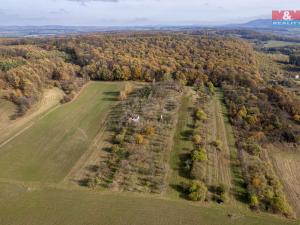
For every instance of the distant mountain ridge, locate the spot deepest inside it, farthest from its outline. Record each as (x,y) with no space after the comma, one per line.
(258,23)
(25,31)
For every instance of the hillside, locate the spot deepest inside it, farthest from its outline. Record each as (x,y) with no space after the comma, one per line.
(180,120)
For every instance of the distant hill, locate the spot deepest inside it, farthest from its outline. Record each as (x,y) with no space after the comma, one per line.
(259,23)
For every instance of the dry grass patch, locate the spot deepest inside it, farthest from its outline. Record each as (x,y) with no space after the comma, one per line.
(287,166)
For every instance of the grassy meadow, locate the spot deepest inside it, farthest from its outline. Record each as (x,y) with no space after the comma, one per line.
(48,206)
(273,44)
(48,149)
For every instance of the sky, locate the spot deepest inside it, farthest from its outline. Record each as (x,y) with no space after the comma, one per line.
(137,12)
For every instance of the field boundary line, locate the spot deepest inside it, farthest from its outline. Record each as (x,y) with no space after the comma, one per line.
(32,122)
(85,156)
(39,117)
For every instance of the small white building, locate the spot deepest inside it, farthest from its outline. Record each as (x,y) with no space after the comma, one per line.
(135,119)
(297,77)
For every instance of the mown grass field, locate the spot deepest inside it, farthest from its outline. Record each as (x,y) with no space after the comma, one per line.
(287,166)
(218,168)
(49,206)
(48,149)
(271,44)
(182,145)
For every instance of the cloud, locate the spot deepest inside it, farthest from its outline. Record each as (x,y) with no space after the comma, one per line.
(86,1)
(59,12)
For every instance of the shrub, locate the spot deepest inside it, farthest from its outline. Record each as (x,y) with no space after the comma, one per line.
(196,139)
(119,139)
(187,165)
(221,189)
(118,150)
(197,191)
(211,88)
(217,144)
(198,171)
(279,204)
(252,147)
(219,193)
(200,115)
(67,98)
(139,139)
(93,182)
(199,155)
(296,118)
(149,130)
(254,203)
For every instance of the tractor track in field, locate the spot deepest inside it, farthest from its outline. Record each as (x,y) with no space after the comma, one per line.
(42,110)
(91,156)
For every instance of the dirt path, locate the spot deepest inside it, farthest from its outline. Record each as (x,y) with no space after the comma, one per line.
(219,160)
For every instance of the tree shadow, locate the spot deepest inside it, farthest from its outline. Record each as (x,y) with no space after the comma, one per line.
(111,96)
(181,165)
(180,189)
(83,182)
(92,168)
(186,134)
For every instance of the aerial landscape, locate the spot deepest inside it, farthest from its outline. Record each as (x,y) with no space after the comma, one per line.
(154,120)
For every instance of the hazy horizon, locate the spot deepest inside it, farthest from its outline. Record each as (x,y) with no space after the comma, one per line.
(136,12)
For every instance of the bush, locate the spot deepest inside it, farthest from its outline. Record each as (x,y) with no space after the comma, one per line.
(200,115)
(211,88)
(139,139)
(67,98)
(296,118)
(221,189)
(217,144)
(199,155)
(119,139)
(118,151)
(254,203)
(197,191)
(93,182)
(198,170)
(279,204)
(149,130)
(197,139)
(252,147)
(219,193)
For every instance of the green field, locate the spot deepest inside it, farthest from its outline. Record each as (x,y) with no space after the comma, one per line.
(49,206)
(48,149)
(273,44)
(182,145)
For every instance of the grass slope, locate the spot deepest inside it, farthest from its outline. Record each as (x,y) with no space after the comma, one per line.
(50,206)
(48,150)
(182,144)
